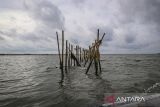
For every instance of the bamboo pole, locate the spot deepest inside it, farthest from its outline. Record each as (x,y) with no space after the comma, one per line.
(100,68)
(98,35)
(89,53)
(62,64)
(76,52)
(83,54)
(89,66)
(72,52)
(87,57)
(59,54)
(62,48)
(96,59)
(90,57)
(80,55)
(74,60)
(69,56)
(66,57)
(99,62)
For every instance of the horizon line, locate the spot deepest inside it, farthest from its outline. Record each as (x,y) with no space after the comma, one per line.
(64,54)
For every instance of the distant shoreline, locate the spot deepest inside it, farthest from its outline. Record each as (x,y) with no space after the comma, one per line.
(101,54)
(28,54)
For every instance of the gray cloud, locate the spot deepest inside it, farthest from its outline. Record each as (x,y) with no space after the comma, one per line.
(146,11)
(1,38)
(130,38)
(144,15)
(130,26)
(137,23)
(47,17)
(46,12)
(10,4)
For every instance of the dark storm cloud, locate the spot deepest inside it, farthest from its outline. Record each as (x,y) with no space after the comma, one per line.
(1,38)
(144,14)
(45,11)
(153,9)
(129,39)
(145,11)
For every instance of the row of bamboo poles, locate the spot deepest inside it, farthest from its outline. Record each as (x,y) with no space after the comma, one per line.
(71,55)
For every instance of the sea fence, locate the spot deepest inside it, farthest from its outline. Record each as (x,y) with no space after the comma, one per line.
(74,55)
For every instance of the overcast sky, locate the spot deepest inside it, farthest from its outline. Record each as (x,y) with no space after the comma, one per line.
(29,26)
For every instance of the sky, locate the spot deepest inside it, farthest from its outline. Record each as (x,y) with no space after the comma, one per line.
(29,26)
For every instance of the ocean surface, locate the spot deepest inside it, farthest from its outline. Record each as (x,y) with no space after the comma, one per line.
(33,80)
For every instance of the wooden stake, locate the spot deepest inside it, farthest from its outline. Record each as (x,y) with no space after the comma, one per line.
(74,60)
(89,66)
(69,56)
(76,52)
(59,54)
(80,55)
(98,35)
(96,59)
(62,73)
(90,53)
(99,62)
(72,52)
(66,58)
